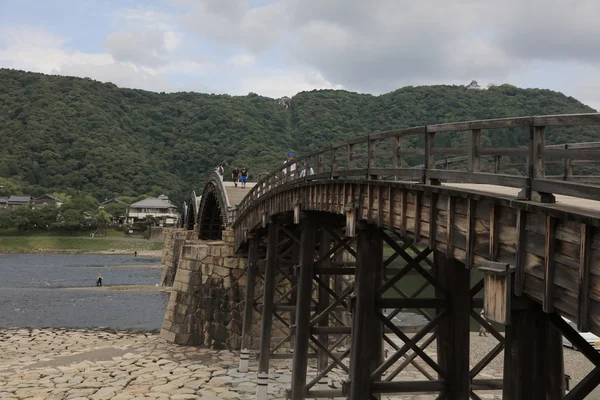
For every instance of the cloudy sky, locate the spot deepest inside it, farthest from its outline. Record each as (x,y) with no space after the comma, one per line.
(281,47)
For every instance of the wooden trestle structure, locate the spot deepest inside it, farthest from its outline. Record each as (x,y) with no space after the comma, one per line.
(323,286)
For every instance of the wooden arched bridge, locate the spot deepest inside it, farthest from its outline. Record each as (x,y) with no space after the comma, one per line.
(324,235)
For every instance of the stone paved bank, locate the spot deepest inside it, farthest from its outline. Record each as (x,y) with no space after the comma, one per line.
(96,365)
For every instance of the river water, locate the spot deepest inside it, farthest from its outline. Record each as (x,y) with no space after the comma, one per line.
(36,290)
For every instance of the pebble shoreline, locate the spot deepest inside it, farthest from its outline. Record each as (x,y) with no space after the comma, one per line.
(106,365)
(100,364)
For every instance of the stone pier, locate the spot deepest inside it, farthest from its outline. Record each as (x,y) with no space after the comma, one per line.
(175,238)
(206,302)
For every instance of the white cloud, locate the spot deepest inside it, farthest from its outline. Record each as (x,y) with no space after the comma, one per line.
(279,47)
(242,60)
(34,49)
(148,47)
(281,82)
(37,50)
(235,23)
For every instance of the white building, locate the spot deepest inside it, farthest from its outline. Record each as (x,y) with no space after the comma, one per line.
(153,207)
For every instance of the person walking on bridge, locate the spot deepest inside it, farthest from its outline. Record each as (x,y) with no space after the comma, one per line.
(220,170)
(235,175)
(244,174)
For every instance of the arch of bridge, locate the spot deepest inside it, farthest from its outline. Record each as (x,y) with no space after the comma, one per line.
(212,213)
(216,205)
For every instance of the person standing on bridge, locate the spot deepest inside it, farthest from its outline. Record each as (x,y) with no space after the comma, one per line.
(292,166)
(304,172)
(244,174)
(220,171)
(235,175)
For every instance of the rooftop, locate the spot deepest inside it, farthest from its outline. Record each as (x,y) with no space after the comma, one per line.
(152,203)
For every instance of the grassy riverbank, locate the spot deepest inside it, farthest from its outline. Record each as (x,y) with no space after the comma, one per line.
(59,244)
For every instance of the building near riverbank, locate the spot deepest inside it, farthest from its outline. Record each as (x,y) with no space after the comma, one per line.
(12,202)
(160,207)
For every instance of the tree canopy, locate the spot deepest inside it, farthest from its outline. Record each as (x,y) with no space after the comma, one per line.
(78,136)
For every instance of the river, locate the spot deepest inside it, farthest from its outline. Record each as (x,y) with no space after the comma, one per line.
(36,290)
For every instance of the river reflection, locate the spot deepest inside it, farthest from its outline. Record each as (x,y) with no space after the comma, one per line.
(34,291)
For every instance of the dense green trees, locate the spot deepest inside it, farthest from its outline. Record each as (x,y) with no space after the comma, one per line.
(79,136)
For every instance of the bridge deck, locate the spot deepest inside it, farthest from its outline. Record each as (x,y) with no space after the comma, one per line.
(236,194)
(564,203)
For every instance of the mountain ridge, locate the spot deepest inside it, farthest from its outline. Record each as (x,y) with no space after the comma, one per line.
(72,135)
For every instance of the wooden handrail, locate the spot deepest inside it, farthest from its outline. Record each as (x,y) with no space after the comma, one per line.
(379,155)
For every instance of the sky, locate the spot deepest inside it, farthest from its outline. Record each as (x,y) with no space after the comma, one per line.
(281,47)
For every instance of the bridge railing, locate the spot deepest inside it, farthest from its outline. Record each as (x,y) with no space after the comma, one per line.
(496,165)
(386,155)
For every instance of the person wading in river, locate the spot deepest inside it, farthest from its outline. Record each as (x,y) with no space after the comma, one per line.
(99,280)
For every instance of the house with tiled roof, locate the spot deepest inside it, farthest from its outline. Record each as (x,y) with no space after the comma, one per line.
(153,207)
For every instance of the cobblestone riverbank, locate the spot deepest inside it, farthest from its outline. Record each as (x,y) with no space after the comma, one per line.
(99,365)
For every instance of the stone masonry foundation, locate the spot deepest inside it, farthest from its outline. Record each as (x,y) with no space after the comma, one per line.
(175,238)
(207,299)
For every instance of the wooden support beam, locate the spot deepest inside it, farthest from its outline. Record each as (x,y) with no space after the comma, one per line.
(433,220)
(585,263)
(453,331)
(300,362)
(494,227)
(251,270)
(470,234)
(367,330)
(267,316)
(450,227)
(549,266)
(521,233)
(418,206)
(403,208)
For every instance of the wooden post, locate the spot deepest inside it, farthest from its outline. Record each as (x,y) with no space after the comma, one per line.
(267,313)
(473,150)
(395,158)
(248,304)
(367,330)
(324,246)
(300,361)
(371,145)
(429,158)
(536,168)
(568,173)
(533,356)
(453,331)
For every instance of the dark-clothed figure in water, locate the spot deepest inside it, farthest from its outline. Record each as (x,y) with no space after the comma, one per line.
(99,280)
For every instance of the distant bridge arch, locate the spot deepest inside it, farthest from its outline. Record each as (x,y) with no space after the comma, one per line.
(216,206)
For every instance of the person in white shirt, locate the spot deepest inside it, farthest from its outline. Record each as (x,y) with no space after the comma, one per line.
(220,170)
(292,167)
(310,171)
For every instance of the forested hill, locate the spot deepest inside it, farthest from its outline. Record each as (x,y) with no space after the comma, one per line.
(70,134)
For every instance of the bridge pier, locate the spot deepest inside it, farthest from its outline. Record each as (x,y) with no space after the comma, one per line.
(453,334)
(533,357)
(367,328)
(267,312)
